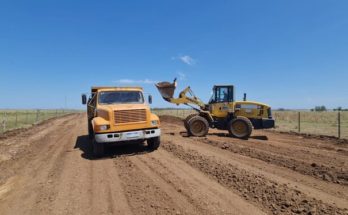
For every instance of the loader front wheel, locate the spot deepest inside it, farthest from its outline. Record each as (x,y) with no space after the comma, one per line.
(198,126)
(187,119)
(240,127)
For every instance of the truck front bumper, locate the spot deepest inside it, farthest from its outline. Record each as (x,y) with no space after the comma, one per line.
(127,136)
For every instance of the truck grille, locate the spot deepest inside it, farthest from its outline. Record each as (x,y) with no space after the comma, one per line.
(129,116)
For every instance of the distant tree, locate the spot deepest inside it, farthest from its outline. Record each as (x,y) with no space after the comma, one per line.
(320,108)
(338,109)
(281,109)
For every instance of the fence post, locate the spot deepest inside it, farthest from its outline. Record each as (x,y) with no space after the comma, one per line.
(299,122)
(16,120)
(339,124)
(37,116)
(4,122)
(26,117)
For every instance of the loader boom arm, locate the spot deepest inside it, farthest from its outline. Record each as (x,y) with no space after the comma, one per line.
(187,99)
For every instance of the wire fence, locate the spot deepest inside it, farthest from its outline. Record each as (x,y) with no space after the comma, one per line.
(329,123)
(12,119)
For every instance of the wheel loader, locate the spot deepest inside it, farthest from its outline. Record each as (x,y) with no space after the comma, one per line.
(222,111)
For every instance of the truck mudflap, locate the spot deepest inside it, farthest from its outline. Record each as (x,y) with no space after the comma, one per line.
(127,136)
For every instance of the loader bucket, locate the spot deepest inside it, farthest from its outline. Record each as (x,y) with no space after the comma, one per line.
(166,89)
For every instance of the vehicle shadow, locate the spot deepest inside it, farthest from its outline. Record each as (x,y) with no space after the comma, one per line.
(111,151)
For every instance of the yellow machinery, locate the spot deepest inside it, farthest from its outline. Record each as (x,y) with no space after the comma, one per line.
(222,111)
(120,115)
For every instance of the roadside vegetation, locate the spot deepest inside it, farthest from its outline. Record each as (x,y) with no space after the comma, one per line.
(311,122)
(12,119)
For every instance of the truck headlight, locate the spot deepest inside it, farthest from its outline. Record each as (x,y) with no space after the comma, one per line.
(104,127)
(154,122)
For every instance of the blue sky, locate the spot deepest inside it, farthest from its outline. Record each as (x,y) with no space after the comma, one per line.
(291,54)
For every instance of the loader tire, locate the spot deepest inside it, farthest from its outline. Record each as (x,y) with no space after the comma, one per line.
(187,119)
(98,149)
(240,127)
(198,126)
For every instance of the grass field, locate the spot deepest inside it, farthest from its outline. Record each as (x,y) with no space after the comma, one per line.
(11,119)
(320,123)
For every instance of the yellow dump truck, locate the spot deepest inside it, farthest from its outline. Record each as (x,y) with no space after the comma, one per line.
(120,115)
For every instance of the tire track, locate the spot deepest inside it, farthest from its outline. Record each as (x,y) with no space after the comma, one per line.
(274,197)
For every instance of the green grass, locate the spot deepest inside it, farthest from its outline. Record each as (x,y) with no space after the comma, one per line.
(319,123)
(12,119)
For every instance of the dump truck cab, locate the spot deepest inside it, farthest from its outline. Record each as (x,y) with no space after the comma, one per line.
(120,115)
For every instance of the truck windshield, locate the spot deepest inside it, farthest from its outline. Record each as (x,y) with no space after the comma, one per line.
(121,97)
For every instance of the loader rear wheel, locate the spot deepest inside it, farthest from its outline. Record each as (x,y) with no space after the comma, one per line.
(198,126)
(187,119)
(240,127)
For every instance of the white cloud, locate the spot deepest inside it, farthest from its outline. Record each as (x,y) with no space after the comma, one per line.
(131,81)
(185,59)
(182,76)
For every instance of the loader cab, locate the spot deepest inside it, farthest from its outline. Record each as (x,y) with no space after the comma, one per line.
(222,94)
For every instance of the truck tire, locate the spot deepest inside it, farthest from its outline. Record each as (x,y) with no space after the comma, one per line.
(198,126)
(90,130)
(240,127)
(186,120)
(98,149)
(153,143)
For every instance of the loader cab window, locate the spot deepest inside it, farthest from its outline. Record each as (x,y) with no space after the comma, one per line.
(222,94)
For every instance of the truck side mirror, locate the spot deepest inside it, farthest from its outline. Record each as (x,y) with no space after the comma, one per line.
(150,99)
(84,99)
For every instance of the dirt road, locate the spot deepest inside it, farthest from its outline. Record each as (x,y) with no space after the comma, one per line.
(49,169)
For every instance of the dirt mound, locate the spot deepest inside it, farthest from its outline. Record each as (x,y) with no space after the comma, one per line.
(313,136)
(172,120)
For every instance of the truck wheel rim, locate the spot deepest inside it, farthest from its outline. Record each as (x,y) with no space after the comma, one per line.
(239,128)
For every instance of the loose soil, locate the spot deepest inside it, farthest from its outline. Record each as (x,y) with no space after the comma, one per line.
(49,169)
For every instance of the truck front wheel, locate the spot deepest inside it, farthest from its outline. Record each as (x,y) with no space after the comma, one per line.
(153,143)
(90,130)
(98,149)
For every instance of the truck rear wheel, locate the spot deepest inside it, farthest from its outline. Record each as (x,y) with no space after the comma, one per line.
(240,127)
(187,119)
(198,126)
(153,143)
(98,148)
